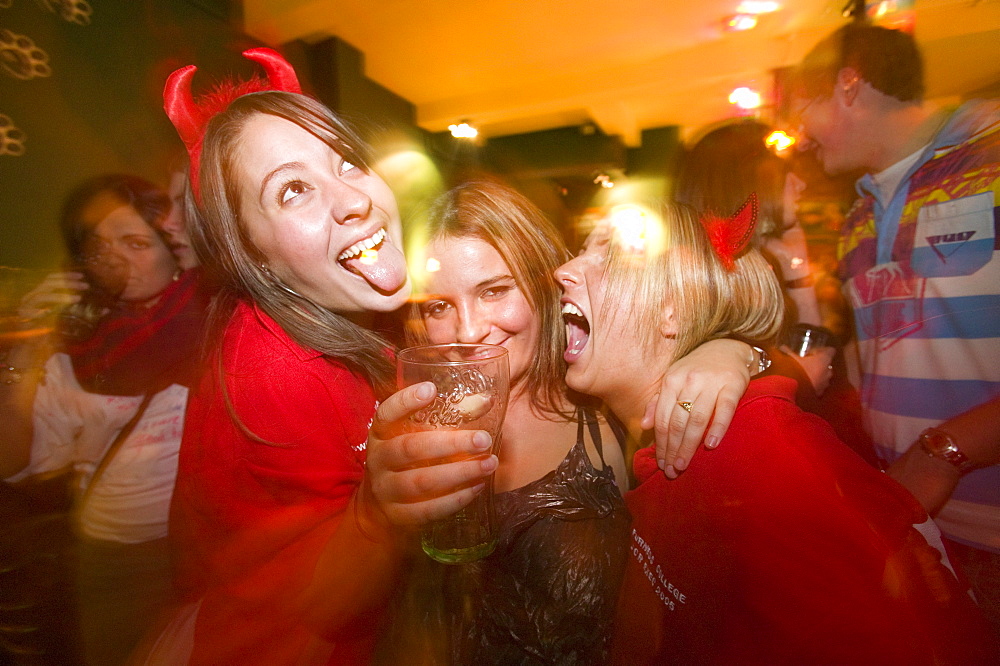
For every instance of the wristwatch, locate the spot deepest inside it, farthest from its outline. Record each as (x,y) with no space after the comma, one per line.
(939,444)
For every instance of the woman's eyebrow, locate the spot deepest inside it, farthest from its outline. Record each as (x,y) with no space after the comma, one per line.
(272,174)
(493,280)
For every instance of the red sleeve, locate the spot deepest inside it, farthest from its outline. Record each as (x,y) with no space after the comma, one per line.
(831,569)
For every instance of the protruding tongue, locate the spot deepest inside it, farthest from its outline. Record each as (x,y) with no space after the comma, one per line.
(384,268)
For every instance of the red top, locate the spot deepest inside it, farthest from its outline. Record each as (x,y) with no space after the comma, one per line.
(783,547)
(249,519)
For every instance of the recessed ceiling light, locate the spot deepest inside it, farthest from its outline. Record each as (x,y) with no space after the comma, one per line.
(757,7)
(745,98)
(741,22)
(463,131)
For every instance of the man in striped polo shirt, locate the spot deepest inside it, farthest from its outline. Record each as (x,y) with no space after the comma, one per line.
(919,261)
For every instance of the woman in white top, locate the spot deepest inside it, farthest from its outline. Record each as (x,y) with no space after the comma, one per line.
(104,394)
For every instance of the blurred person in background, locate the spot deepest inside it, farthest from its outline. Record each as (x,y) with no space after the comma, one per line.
(781,546)
(174,225)
(105,396)
(716,176)
(918,257)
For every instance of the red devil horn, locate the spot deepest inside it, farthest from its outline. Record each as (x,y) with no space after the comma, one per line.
(180,106)
(744,222)
(279,72)
(730,236)
(191,118)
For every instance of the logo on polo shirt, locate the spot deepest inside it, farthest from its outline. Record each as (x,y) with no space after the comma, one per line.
(951,242)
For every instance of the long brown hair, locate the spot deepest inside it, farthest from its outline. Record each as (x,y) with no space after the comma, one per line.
(237,265)
(729,164)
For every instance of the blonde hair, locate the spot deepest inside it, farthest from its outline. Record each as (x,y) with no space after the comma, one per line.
(679,268)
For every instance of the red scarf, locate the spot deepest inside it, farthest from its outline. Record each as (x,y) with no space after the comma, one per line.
(137,351)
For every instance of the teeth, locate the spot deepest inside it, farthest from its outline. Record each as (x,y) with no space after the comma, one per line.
(570,309)
(363,245)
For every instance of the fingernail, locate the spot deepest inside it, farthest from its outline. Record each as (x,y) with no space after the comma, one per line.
(425,390)
(481,440)
(660,462)
(711,441)
(489,464)
(680,464)
(670,472)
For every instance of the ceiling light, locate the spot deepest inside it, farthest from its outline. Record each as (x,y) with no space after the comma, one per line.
(604,180)
(741,22)
(745,98)
(757,7)
(779,140)
(463,130)
(746,14)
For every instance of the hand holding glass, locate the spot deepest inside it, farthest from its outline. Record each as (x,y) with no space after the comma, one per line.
(473,384)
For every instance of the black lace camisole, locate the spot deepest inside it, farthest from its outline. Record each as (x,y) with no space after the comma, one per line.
(548,592)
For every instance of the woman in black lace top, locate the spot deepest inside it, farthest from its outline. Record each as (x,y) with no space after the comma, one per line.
(546,594)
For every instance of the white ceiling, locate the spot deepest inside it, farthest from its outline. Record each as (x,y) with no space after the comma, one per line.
(513,66)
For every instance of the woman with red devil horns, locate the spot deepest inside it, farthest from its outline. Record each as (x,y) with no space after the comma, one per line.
(782,546)
(283,552)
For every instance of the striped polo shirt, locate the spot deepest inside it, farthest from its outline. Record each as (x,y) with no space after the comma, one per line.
(922,273)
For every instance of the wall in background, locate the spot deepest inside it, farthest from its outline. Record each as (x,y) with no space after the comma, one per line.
(81,94)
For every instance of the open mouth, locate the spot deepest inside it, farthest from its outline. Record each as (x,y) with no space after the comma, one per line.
(363,249)
(377,261)
(577,331)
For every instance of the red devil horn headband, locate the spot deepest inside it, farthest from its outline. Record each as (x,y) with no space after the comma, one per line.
(191,117)
(730,236)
